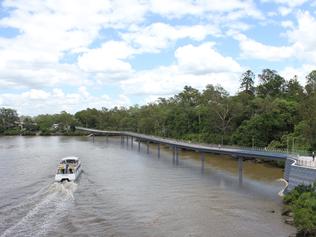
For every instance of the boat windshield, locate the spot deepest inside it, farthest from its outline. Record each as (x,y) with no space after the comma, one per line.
(72,161)
(67,167)
(69,162)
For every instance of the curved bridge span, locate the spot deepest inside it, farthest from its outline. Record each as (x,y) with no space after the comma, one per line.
(235,152)
(238,153)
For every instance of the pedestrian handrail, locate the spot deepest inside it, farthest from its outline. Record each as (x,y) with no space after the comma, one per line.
(216,146)
(306,163)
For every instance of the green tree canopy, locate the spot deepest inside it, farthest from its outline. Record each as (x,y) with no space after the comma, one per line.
(311,83)
(272,84)
(8,118)
(247,82)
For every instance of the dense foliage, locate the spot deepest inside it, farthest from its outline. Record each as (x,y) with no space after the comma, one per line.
(277,113)
(302,202)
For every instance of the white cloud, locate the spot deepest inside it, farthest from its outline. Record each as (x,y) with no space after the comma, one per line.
(301,72)
(196,66)
(108,58)
(204,59)
(82,44)
(166,81)
(179,8)
(34,94)
(253,49)
(303,36)
(51,30)
(176,8)
(284,10)
(158,36)
(287,24)
(287,7)
(38,75)
(34,102)
(291,3)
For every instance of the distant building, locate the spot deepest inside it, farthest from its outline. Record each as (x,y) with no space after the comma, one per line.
(55,126)
(19,124)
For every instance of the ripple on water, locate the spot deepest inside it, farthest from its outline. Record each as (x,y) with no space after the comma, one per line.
(123,192)
(36,213)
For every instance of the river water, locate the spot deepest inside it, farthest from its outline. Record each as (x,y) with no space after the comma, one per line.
(123,192)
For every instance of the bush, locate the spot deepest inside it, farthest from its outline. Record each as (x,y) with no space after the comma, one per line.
(12,132)
(302,202)
(304,210)
(45,132)
(28,133)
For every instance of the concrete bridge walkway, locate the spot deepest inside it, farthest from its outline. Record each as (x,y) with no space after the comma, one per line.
(239,153)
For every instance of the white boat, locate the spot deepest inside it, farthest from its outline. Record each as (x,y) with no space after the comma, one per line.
(69,169)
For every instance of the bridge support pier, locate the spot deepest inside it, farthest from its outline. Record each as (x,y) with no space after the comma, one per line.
(107,138)
(202,156)
(173,155)
(177,156)
(127,141)
(240,170)
(132,142)
(158,147)
(147,147)
(138,145)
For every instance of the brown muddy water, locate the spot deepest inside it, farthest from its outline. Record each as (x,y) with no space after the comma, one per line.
(123,192)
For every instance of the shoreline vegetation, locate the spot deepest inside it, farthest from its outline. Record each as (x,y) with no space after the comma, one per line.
(300,208)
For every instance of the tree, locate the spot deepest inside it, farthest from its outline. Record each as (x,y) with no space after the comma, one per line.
(221,105)
(189,96)
(8,119)
(311,83)
(293,90)
(66,120)
(308,113)
(270,124)
(88,118)
(29,124)
(247,82)
(45,121)
(272,84)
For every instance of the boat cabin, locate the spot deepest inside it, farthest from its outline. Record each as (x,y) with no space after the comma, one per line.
(68,165)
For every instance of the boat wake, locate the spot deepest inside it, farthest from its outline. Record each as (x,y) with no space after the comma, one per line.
(39,212)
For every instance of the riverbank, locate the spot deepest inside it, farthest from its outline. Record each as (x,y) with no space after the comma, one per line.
(42,133)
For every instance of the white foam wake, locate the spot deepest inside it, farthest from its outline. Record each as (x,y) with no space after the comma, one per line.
(42,212)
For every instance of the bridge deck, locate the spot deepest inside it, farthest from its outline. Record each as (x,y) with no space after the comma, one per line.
(235,152)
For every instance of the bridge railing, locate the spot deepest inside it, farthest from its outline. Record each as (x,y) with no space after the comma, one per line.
(295,152)
(291,152)
(306,163)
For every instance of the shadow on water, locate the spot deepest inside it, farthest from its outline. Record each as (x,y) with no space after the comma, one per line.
(259,179)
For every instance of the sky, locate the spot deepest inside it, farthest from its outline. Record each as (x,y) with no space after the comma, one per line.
(68,55)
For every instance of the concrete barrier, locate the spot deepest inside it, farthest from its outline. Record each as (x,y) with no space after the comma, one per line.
(300,175)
